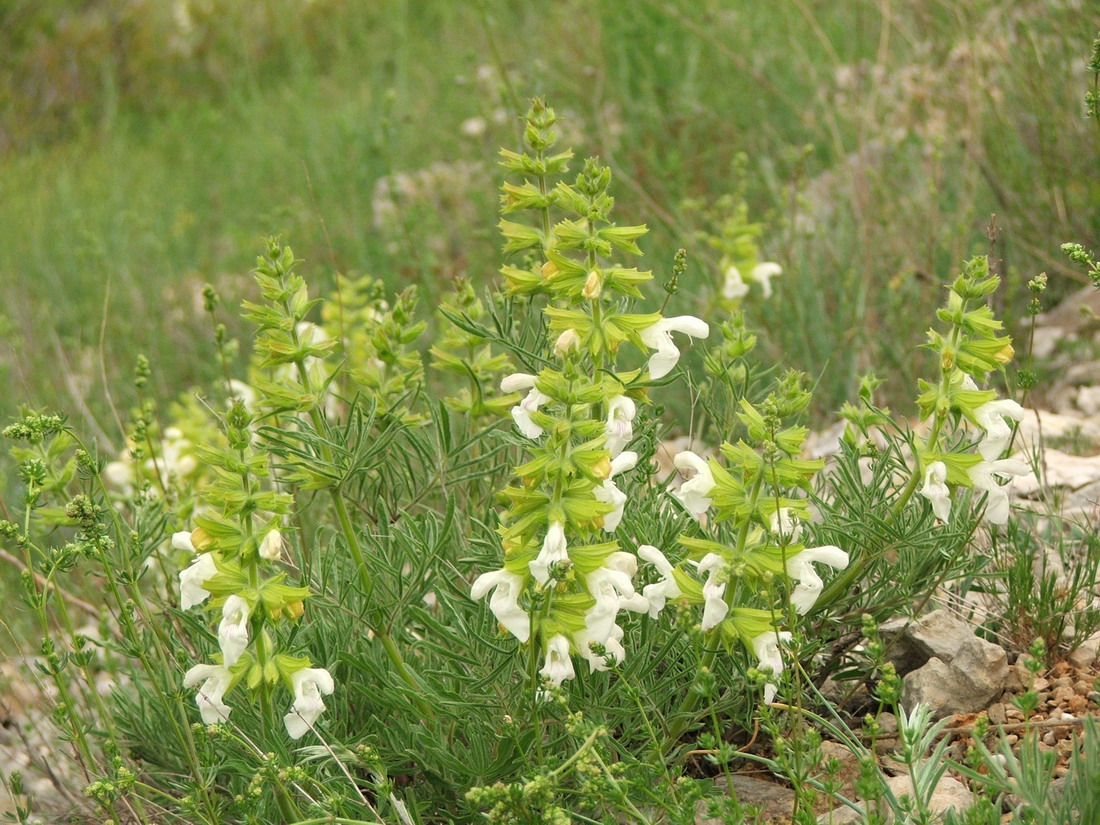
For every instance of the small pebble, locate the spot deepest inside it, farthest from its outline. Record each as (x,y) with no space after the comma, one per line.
(996,714)
(1015,714)
(1012,739)
(1063,694)
(1062,681)
(1048,739)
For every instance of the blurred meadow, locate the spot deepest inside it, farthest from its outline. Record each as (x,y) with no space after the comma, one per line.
(872,150)
(147,148)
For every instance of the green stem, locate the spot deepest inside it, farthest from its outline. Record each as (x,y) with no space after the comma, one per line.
(844,582)
(352,540)
(687,707)
(176,714)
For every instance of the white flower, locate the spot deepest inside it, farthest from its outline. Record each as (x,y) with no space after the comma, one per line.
(609,492)
(566,341)
(612,588)
(271,548)
(984,478)
(659,337)
(714,591)
(175,461)
(768,653)
(521,413)
(182,541)
(620,420)
(734,286)
(800,568)
(991,418)
(192,579)
(694,492)
(120,474)
(659,592)
(558,666)
(763,274)
(473,127)
(935,489)
(786,526)
(309,685)
(554,549)
(233,630)
(612,644)
(215,682)
(507,589)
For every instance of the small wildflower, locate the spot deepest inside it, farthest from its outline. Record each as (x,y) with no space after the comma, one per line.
(763,274)
(271,548)
(612,645)
(612,588)
(667,588)
(991,418)
(521,413)
(233,630)
(659,337)
(558,665)
(192,579)
(609,492)
(984,477)
(568,340)
(935,489)
(620,420)
(714,591)
(786,526)
(507,589)
(766,646)
(694,493)
(215,680)
(555,549)
(800,568)
(309,684)
(734,286)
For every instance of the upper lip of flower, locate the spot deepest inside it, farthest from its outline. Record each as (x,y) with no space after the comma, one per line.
(507,587)
(694,493)
(659,337)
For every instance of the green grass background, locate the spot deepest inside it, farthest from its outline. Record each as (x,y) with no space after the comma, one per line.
(148,147)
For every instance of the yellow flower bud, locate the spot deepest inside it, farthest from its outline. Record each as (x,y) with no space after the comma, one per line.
(593,286)
(1004,354)
(603,468)
(295,609)
(549,270)
(566,341)
(201,540)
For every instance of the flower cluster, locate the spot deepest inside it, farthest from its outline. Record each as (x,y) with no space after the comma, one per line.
(970,350)
(238,545)
(754,532)
(378,340)
(161,461)
(565,578)
(726,229)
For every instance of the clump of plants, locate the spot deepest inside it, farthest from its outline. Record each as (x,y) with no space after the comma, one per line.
(336,588)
